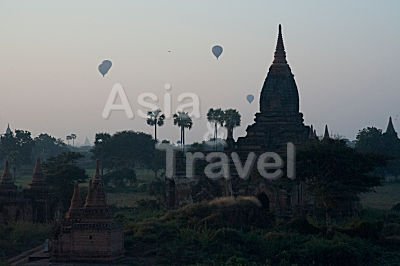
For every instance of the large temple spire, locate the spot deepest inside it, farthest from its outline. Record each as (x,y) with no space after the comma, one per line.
(279,95)
(280,54)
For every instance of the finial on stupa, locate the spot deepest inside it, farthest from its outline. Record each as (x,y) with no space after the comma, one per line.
(326,133)
(390,127)
(280,54)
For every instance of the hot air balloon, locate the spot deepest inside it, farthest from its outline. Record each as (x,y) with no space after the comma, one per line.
(250,98)
(217,51)
(104,67)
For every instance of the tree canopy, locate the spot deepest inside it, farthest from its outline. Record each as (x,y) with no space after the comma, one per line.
(335,173)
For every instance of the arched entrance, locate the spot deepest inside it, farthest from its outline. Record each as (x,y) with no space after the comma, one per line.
(264,200)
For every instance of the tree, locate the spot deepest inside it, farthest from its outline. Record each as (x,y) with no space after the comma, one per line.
(155,118)
(231,119)
(68,139)
(17,148)
(215,117)
(46,146)
(183,120)
(61,172)
(336,174)
(73,137)
(370,140)
(100,145)
(122,152)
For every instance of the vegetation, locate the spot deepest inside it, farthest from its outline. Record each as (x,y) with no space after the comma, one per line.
(123,152)
(215,117)
(155,118)
(231,120)
(372,140)
(336,174)
(61,172)
(183,120)
(230,231)
(16,238)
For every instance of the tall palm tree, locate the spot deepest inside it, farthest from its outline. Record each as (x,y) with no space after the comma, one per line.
(155,118)
(68,138)
(183,120)
(232,119)
(73,137)
(216,117)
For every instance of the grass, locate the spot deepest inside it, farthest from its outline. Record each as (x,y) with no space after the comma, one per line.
(23,180)
(123,200)
(384,198)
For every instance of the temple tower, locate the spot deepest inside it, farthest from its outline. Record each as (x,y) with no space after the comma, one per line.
(12,206)
(42,202)
(279,120)
(88,232)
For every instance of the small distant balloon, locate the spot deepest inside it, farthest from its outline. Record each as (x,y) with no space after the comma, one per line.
(250,98)
(104,67)
(217,51)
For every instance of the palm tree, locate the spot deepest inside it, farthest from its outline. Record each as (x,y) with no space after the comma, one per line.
(155,118)
(183,120)
(231,120)
(68,138)
(217,117)
(73,137)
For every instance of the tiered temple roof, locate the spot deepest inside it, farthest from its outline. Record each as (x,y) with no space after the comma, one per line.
(279,120)
(38,180)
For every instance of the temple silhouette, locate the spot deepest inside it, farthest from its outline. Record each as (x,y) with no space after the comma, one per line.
(278,123)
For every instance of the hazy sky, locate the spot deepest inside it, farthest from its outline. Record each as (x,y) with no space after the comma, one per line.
(344,55)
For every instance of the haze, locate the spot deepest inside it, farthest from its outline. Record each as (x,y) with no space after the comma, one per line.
(346,69)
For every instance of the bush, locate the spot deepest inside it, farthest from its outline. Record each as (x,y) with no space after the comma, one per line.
(18,237)
(241,212)
(364,229)
(396,207)
(302,225)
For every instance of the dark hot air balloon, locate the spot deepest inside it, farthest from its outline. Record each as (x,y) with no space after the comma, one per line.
(104,67)
(217,51)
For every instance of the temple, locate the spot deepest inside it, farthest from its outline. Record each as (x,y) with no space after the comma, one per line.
(45,206)
(278,123)
(88,232)
(279,120)
(34,204)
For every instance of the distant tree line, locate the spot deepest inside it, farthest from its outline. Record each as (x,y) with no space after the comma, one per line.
(20,149)
(373,141)
(124,151)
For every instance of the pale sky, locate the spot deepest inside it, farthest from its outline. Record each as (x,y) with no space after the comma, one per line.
(344,55)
